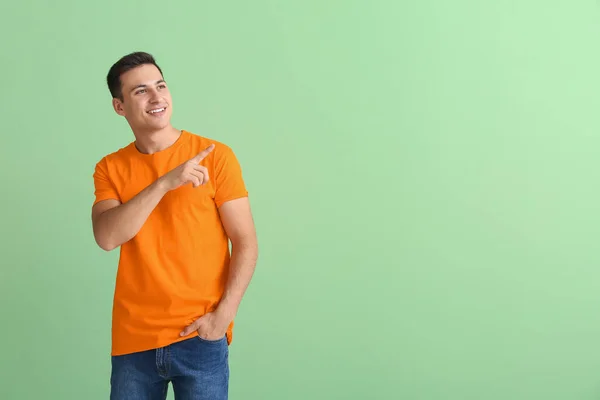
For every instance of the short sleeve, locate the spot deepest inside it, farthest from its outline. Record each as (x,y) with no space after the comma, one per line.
(104,188)
(229,182)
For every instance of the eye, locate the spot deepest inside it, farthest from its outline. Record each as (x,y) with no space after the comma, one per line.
(140,91)
(162,86)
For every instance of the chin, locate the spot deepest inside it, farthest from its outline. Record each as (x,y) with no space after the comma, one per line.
(157,125)
(162,126)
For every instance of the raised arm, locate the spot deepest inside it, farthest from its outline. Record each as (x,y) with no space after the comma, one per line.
(115,223)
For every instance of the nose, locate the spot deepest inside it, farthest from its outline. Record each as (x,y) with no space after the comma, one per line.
(154,96)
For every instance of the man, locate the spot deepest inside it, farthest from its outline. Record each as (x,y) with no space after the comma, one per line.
(171,200)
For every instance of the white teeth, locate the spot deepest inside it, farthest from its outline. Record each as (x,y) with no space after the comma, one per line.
(157,110)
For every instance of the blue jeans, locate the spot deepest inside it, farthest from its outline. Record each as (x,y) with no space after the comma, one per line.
(197,368)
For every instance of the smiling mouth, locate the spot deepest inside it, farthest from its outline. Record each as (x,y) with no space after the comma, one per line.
(157,111)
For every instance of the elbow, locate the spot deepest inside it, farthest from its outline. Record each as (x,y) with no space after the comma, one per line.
(106,246)
(105,243)
(248,247)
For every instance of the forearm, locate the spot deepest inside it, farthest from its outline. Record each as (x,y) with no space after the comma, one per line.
(241,269)
(120,224)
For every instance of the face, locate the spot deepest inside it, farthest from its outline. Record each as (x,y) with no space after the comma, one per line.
(146,99)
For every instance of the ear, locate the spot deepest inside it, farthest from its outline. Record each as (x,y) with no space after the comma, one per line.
(118,106)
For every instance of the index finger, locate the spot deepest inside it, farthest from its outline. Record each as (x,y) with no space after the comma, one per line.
(203,154)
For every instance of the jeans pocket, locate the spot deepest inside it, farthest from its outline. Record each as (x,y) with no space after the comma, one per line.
(200,338)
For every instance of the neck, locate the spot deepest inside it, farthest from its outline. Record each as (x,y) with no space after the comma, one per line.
(149,142)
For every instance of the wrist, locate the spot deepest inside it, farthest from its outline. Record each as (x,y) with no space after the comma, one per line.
(161,185)
(226,310)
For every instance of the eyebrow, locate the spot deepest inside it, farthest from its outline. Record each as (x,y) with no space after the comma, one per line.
(143,86)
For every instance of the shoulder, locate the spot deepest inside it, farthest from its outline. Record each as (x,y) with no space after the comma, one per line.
(205,140)
(221,151)
(114,158)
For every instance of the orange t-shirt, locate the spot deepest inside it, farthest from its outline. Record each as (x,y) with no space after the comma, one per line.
(175,269)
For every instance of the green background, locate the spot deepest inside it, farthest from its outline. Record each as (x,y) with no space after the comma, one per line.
(424,179)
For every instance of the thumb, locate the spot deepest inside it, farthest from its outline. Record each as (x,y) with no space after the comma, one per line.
(192,327)
(203,154)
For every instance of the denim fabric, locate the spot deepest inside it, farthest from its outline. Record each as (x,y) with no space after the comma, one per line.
(197,368)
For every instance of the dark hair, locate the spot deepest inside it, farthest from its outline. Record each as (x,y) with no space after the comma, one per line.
(126,63)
